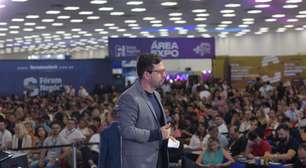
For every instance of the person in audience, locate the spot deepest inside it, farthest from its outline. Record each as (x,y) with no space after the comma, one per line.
(71,134)
(214,132)
(83,127)
(301,156)
(21,139)
(51,158)
(40,135)
(256,145)
(285,149)
(196,141)
(245,123)
(110,143)
(5,135)
(215,155)
(30,131)
(90,154)
(237,142)
(222,128)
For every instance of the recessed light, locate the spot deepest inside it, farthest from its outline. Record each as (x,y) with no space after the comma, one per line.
(134,3)
(85,12)
(180,21)
(14,32)
(299,29)
(262,1)
(226,22)
(109,24)
(157,25)
(290,6)
(227,11)
(136,28)
(76,29)
(278,15)
(117,13)
(232,5)
(28,29)
(294,1)
(289,26)
(30,24)
(63,17)
(175,18)
(71,8)
(175,14)
(57,24)
(32,16)
(3,23)
(270,20)
(93,17)
(200,19)
(155,21)
(19,0)
(279,30)
(262,6)
(17,20)
(98,2)
(113,27)
(47,20)
(168,3)
(14,27)
(76,20)
(130,21)
(199,10)
(133,25)
(302,12)
(202,14)
(229,15)
(2,6)
(248,19)
(243,26)
(201,25)
(300,16)
(248,22)
(51,12)
(254,11)
(40,27)
(138,9)
(121,30)
(106,9)
(149,18)
(3,29)
(292,20)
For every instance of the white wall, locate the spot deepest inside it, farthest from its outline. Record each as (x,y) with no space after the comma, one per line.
(194,64)
(288,43)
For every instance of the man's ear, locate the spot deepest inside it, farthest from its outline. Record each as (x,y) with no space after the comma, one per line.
(146,75)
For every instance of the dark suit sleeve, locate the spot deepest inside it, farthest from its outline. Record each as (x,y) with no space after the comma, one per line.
(103,149)
(128,115)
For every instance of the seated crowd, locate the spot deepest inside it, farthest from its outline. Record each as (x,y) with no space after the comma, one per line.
(217,123)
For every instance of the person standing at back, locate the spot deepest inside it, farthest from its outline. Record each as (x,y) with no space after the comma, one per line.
(142,119)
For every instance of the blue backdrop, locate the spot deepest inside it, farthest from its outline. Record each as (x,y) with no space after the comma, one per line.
(47,75)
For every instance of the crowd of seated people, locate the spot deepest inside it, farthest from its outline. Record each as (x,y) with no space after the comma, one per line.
(209,117)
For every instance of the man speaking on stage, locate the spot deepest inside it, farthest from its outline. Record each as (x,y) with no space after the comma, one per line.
(142,119)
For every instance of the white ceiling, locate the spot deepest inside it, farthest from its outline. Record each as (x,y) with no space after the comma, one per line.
(42,26)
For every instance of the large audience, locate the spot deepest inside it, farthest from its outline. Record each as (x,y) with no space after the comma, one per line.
(209,117)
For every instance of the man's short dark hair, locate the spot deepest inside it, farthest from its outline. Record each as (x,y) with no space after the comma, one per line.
(284,127)
(145,63)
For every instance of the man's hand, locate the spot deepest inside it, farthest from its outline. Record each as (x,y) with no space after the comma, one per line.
(166,131)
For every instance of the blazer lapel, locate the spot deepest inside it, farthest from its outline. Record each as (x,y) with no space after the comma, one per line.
(161,107)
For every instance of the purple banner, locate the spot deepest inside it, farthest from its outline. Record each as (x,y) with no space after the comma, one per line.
(168,48)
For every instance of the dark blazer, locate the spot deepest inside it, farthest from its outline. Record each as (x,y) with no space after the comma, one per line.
(110,147)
